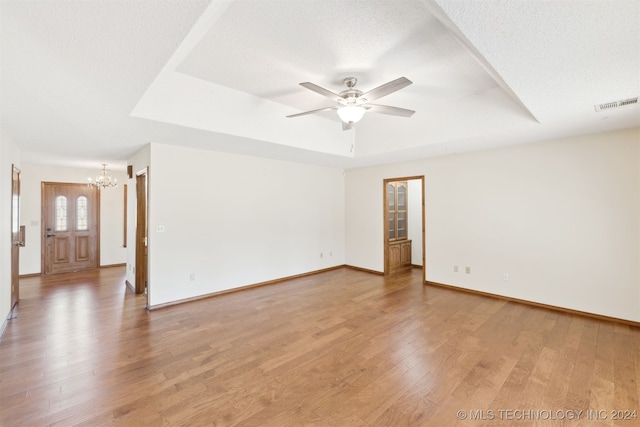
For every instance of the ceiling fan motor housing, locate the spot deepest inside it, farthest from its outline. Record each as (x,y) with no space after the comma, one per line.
(351,95)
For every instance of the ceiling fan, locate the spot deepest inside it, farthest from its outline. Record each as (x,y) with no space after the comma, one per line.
(353,103)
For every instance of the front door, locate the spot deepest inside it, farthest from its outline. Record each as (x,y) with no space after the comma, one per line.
(16,240)
(71,214)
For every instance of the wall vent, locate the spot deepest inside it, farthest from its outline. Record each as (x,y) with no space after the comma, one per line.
(616,104)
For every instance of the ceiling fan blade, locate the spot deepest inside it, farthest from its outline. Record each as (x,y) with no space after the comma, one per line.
(387,88)
(322,91)
(393,111)
(313,111)
(347,125)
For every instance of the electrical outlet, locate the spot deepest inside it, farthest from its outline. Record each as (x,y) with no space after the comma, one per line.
(455,268)
(192,277)
(467,270)
(321,255)
(505,276)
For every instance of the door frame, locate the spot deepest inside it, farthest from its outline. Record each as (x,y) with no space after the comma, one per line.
(142,234)
(385,221)
(17,235)
(43,225)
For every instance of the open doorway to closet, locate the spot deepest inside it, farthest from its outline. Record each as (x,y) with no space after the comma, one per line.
(404,224)
(142,255)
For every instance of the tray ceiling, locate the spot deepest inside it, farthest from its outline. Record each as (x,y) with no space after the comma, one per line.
(90,82)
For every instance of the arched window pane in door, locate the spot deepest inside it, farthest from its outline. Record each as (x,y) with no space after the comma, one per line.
(82,213)
(61,213)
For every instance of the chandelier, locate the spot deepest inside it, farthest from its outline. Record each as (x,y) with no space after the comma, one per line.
(104,180)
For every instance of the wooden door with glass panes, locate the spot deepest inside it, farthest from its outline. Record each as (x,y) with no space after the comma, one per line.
(70,227)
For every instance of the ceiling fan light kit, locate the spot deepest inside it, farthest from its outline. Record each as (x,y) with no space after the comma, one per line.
(351,113)
(353,103)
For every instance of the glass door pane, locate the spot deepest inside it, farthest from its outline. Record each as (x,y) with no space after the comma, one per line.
(61,214)
(402,225)
(391,196)
(392,226)
(402,198)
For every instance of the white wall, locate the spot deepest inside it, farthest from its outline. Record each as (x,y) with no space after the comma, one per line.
(561,217)
(111,213)
(415,219)
(233,220)
(9,155)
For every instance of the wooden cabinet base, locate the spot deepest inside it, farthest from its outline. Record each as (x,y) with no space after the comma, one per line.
(399,255)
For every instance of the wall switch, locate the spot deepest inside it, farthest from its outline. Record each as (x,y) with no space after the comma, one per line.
(321,255)
(505,276)
(467,270)
(455,268)
(192,277)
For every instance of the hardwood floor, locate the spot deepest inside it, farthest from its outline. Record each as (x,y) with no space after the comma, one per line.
(342,348)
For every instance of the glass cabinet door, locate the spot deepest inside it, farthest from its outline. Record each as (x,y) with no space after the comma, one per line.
(402,197)
(402,225)
(392,226)
(397,210)
(391,196)
(391,202)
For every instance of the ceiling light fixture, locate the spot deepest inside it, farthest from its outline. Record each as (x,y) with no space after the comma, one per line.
(104,180)
(351,113)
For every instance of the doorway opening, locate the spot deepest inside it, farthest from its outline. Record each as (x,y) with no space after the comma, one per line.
(404,224)
(17,236)
(141,267)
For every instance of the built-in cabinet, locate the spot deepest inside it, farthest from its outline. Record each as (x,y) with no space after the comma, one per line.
(399,247)
(399,254)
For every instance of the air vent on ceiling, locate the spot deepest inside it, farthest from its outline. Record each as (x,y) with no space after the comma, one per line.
(616,104)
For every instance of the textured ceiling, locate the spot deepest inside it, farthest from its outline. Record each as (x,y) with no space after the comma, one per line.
(280,52)
(87,82)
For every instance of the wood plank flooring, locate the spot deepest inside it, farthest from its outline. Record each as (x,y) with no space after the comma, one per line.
(341,348)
